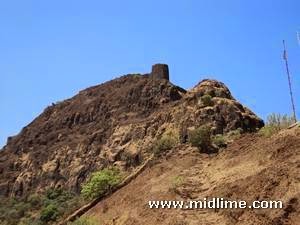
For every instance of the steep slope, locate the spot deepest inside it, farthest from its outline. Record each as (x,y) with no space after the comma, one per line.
(251,168)
(114,123)
(65,141)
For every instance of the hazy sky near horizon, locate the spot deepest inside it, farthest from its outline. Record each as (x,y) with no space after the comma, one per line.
(50,50)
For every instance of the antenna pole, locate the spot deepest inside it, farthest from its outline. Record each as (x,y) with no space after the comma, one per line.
(289,80)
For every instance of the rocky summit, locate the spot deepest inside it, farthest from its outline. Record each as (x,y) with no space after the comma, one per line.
(114,123)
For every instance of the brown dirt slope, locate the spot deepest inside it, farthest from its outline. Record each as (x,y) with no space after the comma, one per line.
(251,168)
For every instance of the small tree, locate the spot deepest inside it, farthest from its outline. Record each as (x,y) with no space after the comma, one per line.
(201,137)
(100,182)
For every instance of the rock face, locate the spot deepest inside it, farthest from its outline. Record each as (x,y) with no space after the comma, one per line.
(225,113)
(114,123)
(160,71)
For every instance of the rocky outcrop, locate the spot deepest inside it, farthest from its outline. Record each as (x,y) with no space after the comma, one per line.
(224,113)
(114,123)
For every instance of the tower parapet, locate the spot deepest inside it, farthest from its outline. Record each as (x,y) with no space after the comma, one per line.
(160,71)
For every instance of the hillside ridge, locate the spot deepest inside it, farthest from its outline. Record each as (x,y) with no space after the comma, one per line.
(114,123)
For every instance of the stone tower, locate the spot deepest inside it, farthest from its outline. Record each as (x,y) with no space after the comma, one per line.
(160,71)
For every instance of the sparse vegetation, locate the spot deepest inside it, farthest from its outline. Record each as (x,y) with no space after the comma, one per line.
(201,137)
(35,201)
(49,213)
(38,209)
(222,101)
(100,182)
(166,142)
(220,140)
(84,221)
(280,121)
(176,182)
(207,100)
(276,122)
(136,75)
(233,134)
(219,93)
(268,131)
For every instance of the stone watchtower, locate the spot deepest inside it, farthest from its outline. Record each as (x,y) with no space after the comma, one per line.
(160,71)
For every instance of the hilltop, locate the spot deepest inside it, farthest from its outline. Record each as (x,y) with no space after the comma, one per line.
(113,123)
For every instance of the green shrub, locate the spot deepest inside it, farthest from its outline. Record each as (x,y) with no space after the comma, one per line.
(49,213)
(84,221)
(13,210)
(53,193)
(100,182)
(235,133)
(207,100)
(268,131)
(38,209)
(59,195)
(220,140)
(166,142)
(200,137)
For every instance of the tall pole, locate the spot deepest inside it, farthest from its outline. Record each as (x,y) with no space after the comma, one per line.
(289,80)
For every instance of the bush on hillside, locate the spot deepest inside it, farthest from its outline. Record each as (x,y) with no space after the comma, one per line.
(268,131)
(166,142)
(201,137)
(100,182)
(207,100)
(38,209)
(49,213)
(220,141)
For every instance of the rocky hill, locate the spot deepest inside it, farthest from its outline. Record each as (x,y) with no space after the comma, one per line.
(124,122)
(114,123)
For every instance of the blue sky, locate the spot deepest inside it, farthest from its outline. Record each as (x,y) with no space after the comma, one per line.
(49,50)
